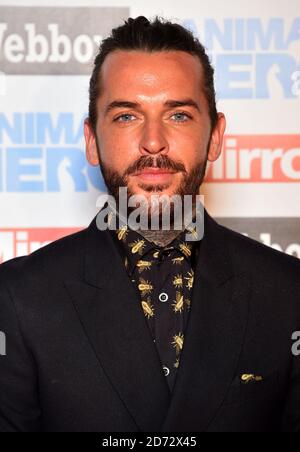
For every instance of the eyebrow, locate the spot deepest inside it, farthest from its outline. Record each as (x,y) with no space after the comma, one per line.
(135,105)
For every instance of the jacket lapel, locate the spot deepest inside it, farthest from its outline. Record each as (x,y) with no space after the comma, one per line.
(108,306)
(214,335)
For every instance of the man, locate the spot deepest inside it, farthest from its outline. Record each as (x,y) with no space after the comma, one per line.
(142,330)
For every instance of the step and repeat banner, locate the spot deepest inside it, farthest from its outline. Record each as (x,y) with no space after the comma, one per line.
(47,188)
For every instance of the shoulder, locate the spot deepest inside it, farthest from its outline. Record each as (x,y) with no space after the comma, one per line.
(52,261)
(260,260)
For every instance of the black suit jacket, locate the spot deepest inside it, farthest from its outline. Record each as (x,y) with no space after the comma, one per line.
(80,356)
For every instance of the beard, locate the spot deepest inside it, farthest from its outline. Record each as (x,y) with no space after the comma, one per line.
(189,185)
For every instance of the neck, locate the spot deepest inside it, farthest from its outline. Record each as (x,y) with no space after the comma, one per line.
(160,238)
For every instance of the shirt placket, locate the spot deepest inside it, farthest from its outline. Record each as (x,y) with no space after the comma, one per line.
(168,324)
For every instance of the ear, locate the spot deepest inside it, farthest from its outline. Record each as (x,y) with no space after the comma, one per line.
(216,142)
(90,144)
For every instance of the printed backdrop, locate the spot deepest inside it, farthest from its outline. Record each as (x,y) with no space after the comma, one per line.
(48,190)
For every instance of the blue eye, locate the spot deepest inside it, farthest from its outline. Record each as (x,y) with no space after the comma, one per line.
(182,114)
(125,115)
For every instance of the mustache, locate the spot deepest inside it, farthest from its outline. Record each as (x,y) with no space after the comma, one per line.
(161,162)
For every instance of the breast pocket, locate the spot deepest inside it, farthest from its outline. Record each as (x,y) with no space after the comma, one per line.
(260,386)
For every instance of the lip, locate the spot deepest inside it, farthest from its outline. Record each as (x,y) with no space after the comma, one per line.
(155,175)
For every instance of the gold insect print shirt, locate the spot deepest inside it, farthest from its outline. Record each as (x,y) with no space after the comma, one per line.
(164,277)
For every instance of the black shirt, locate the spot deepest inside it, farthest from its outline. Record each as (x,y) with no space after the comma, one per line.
(164,277)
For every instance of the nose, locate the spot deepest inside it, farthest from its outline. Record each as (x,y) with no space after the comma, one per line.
(153,140)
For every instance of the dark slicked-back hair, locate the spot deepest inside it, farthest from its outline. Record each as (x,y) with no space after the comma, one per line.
(152,36)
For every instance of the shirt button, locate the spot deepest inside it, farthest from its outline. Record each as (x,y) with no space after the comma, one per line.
(163,297)
(166,371)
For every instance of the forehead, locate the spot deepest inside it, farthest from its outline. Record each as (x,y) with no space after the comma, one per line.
(141,73)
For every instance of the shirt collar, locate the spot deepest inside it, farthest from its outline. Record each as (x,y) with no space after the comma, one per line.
(137,249)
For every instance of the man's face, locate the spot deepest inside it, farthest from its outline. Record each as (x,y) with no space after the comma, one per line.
(153,131)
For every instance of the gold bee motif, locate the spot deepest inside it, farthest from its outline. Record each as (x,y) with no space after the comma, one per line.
(143,265)
(178,281)
(177,260)
(178,304)
(193,232)
(122,233)
(190,280)
(137,247)
(145,287)
(176,364)
(186,249)
(110,218)
(148,308)
(126,262)
(178,340)
(246,378)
